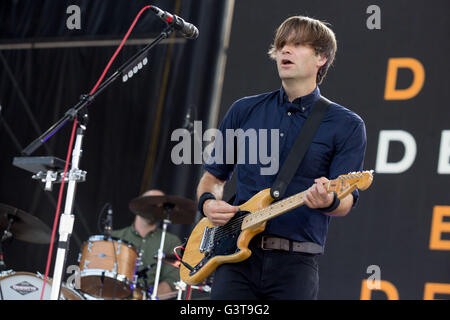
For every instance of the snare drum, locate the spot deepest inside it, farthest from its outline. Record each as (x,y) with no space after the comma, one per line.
(28,286)
(107,267)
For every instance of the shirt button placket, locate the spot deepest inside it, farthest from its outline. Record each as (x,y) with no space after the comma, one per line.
(143,246)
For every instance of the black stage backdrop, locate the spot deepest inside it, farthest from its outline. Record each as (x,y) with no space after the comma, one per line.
(393,223)
(400,229)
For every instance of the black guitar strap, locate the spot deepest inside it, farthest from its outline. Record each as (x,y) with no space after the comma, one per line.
(298,150)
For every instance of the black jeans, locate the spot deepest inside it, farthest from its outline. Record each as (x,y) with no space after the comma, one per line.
(268,275)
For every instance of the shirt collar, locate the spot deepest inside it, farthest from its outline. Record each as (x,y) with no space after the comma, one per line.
(134,231)
(303,103)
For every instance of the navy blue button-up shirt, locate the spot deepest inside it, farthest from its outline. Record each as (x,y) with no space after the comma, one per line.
(338,147)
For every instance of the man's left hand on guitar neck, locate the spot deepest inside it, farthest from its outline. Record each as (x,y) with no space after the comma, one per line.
(317,197)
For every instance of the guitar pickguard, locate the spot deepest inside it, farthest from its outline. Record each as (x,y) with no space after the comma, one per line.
(220,240)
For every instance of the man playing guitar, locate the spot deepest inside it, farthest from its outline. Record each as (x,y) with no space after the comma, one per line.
(283,264)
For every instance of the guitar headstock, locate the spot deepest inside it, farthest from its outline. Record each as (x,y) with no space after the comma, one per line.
(346,183)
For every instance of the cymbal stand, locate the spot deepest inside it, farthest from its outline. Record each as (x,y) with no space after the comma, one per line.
(6,234)
(167,208)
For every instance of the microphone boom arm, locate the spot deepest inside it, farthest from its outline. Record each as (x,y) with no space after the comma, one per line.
(86,100)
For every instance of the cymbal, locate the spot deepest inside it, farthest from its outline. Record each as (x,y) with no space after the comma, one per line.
(177,209)
(25,226)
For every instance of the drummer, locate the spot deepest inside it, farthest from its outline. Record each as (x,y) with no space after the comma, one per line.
(145,234)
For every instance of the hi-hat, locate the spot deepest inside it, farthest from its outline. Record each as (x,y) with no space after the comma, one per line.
(177,209)
(24,226)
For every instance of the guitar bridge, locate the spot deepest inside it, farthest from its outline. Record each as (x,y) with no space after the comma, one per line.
(207,239)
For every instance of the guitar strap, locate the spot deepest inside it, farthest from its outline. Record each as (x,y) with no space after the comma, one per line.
(298,150)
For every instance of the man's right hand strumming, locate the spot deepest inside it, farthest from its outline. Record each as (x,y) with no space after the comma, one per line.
(219,212)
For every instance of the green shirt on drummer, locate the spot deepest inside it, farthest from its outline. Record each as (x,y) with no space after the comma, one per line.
(148,248)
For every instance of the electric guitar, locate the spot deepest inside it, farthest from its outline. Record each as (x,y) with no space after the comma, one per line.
(209,246)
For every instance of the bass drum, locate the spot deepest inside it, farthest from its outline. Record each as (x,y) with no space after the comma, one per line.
(28,286)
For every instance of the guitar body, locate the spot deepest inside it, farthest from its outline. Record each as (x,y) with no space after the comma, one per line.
(231,249)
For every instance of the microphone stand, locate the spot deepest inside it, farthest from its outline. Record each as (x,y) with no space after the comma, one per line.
(85,100)
(6,234)
(67,218)
(167,208)
(79,111)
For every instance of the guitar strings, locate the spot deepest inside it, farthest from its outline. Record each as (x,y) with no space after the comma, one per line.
(228,229)
(234,225)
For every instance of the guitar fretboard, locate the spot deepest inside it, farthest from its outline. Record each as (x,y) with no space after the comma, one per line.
(280,207)
(273,210)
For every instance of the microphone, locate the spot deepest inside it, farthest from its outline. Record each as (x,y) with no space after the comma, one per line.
(188,30)
(109,221)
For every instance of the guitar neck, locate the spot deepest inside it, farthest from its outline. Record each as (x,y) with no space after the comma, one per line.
(282,206)
(274,210)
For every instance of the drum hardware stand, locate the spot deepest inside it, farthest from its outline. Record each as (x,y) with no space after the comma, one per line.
(180,286)
(139,263)
(102,283)
(144,294)
(142,274)
(167,208)
(6,235)
(127,70)
(50,177)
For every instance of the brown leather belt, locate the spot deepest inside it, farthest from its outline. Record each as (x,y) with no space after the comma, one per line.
(275,243)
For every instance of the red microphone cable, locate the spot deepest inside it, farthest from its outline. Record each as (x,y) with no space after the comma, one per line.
(188,294)
(69,151)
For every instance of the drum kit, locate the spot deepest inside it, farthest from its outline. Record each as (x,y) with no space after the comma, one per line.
(108,266)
